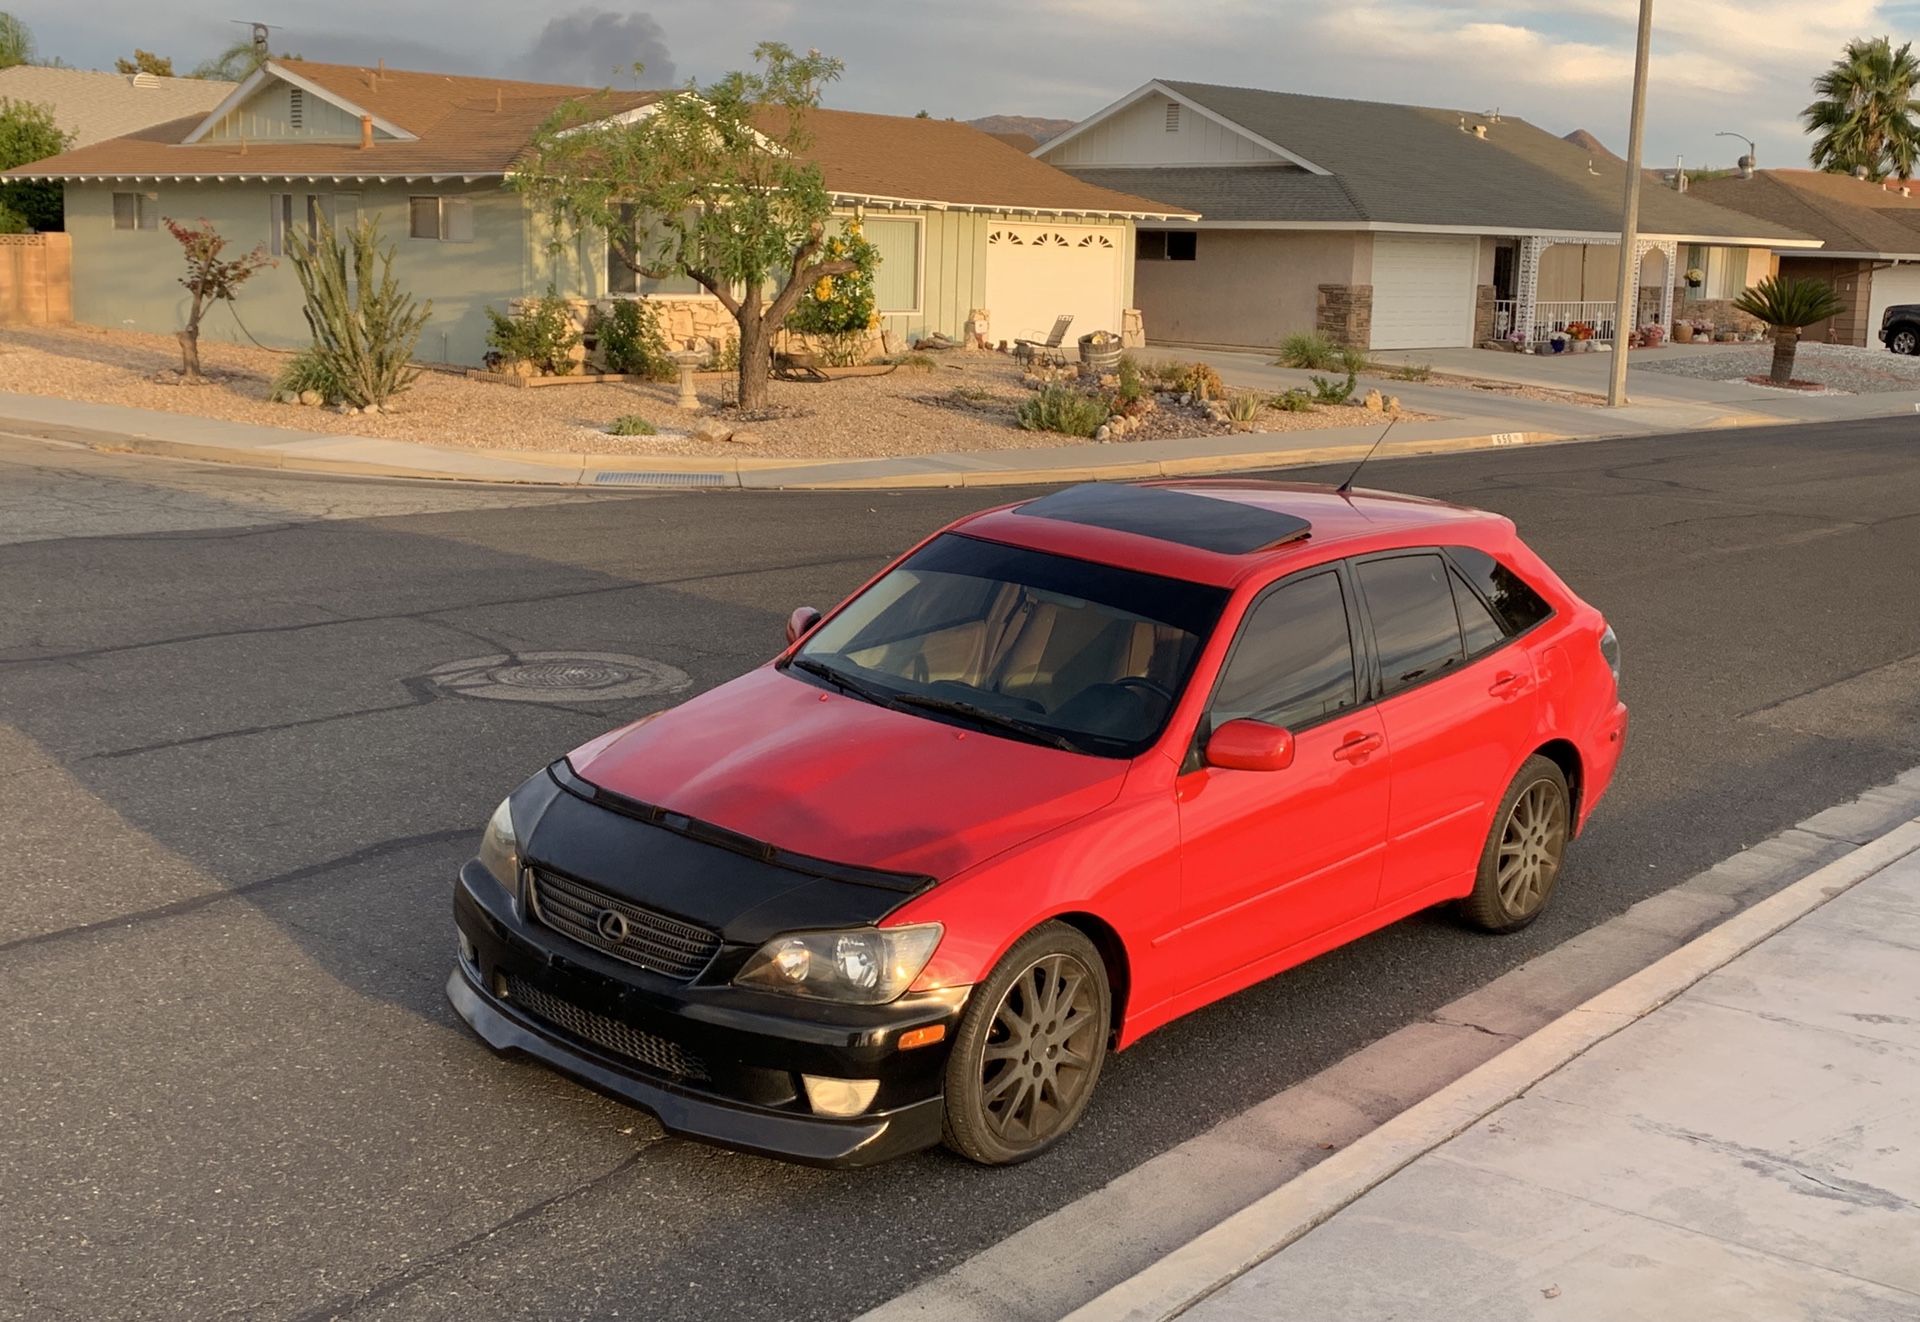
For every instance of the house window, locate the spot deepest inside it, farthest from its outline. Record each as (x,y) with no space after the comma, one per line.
(449,219)
(1173,116)
(136,211)
(630,246)
(1166,245)
(896,282)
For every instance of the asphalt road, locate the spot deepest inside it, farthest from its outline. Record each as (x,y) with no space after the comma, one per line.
(231,807)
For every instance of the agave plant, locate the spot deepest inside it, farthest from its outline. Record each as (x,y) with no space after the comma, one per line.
(1786,306)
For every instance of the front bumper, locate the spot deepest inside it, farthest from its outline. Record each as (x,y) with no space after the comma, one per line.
(747,1049)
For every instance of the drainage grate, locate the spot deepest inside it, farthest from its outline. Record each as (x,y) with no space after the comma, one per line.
(660,480)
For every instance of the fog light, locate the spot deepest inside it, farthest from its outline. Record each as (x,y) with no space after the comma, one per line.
(839,1096)
(468,955)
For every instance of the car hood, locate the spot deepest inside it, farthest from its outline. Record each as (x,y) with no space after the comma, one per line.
(815,772)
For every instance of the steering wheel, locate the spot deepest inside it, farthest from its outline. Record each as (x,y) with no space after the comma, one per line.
(1158,690)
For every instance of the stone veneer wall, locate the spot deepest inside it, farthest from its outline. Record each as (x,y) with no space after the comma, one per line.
(1483,301)
(1344,314)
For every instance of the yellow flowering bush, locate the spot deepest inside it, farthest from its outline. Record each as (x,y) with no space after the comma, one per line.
(842,304)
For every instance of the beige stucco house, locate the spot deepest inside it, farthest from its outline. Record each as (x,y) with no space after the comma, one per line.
(965,224)
(1871,235)
(1387,226)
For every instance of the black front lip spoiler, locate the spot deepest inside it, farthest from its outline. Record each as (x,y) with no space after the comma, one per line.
(833,1143)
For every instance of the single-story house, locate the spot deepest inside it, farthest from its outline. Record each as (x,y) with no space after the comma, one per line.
(969,229)
(1385,226)
(1871,233)
(92,106)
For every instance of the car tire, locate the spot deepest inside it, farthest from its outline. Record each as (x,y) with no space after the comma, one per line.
(1029,1050)
(1524,851)
(1904,339)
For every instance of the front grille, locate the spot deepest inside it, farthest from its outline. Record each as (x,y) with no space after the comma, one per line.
(639,936)
(649,1050)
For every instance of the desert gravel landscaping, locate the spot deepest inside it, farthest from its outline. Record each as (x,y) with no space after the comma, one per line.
(965,402)
(1841,367)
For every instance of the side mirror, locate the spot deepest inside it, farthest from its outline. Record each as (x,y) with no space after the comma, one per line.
(1247,745)
(798,623)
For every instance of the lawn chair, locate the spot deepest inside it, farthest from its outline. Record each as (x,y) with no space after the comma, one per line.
(1029,351)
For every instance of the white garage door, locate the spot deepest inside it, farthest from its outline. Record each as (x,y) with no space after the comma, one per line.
(1423,291)
(1896,284)
(1036,273)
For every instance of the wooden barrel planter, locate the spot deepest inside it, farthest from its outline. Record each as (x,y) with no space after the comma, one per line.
(1100,351)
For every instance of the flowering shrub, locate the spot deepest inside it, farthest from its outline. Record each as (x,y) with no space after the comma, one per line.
(840,304)
(1580,330)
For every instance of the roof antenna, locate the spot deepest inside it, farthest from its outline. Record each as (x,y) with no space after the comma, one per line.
(1347,485)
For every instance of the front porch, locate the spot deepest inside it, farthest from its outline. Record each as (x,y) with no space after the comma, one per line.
(1524,314)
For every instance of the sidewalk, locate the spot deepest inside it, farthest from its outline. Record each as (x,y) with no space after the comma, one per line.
(1746,1147)
(1462,419)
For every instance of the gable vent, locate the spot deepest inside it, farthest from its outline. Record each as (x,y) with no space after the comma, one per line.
(145,79)
(1173,116)
(296,106)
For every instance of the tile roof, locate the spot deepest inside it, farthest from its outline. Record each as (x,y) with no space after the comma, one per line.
(93,106)
(1413,165)
(480,126)
(1848,214)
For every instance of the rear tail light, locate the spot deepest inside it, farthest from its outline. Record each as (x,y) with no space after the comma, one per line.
(1610,649)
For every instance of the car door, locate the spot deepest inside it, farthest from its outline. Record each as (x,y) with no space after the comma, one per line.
(1459,706)
(1272,858)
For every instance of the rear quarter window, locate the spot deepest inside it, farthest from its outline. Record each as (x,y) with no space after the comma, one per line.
(1518,606)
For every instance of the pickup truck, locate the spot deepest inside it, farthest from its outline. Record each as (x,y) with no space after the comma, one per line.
(1900,328)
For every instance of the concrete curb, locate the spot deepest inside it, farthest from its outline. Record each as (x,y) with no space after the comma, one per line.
(1261,1230)
(594,470)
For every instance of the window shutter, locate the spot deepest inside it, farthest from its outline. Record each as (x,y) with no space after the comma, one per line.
(149,211)
(123,211)
(456,219)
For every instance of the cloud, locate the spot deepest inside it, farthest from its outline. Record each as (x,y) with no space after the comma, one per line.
(597,47)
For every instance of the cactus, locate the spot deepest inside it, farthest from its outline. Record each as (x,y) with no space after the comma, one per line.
(364,326)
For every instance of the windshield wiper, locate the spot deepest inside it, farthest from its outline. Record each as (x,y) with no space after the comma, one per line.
(844,682)
(981,716)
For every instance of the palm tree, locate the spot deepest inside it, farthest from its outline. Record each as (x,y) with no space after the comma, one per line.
(1786,306)
(1864,117)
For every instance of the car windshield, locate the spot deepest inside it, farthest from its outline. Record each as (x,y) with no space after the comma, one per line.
(1019,643)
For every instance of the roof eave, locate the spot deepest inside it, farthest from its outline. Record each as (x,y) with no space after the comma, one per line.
(1001,208)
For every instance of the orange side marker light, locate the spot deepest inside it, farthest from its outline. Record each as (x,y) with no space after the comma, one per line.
(922,1037)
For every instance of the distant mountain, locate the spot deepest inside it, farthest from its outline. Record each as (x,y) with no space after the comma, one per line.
(1586,141)
(1034,126)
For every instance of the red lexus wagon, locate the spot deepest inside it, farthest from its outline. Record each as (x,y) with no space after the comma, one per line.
(1061,773)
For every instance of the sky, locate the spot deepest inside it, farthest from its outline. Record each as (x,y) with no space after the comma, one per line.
(1741,66)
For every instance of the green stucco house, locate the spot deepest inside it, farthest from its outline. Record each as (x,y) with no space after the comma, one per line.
(970,229)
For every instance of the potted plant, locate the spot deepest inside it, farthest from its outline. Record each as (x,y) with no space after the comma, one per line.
(1682,332)
(1581,333)
(1651,336)
(1695,278)
(1558,340)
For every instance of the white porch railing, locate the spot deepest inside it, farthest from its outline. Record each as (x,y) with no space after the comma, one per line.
(1557,316)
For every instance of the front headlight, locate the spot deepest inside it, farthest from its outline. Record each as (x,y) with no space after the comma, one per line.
(500,850)
(864,965)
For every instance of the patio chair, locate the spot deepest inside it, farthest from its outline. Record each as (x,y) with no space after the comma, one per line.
(1030,350)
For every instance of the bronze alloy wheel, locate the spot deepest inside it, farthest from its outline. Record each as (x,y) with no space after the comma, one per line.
(1030,1048)
(1523,854)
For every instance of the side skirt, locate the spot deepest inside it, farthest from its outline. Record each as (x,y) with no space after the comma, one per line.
(1145,1019)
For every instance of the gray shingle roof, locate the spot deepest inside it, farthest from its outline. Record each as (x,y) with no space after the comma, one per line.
(95,106)
(1413,165)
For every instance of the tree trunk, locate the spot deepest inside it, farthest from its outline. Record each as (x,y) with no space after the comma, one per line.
(190,342)
(190,352)
(754,355)
(1786,343)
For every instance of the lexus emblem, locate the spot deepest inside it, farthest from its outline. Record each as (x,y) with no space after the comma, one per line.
(612,926)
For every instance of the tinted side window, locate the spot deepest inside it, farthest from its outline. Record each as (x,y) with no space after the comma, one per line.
(1519,606)
(1478,625)
(1293,662)
(1415,628)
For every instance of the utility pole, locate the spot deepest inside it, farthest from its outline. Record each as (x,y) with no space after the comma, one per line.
(1626,306)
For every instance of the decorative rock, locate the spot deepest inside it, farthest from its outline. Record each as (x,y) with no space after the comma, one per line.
(1104,434)
(1375,402)
(1393,403)
(713,433)
(746,438)
(311,398)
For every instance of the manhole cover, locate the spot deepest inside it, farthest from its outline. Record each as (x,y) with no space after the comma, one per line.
(559,677)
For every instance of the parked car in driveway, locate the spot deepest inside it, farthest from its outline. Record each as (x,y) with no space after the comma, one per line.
(1060,774)
(1900,328)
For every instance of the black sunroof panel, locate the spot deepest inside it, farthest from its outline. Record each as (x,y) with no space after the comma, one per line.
(1229,527)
